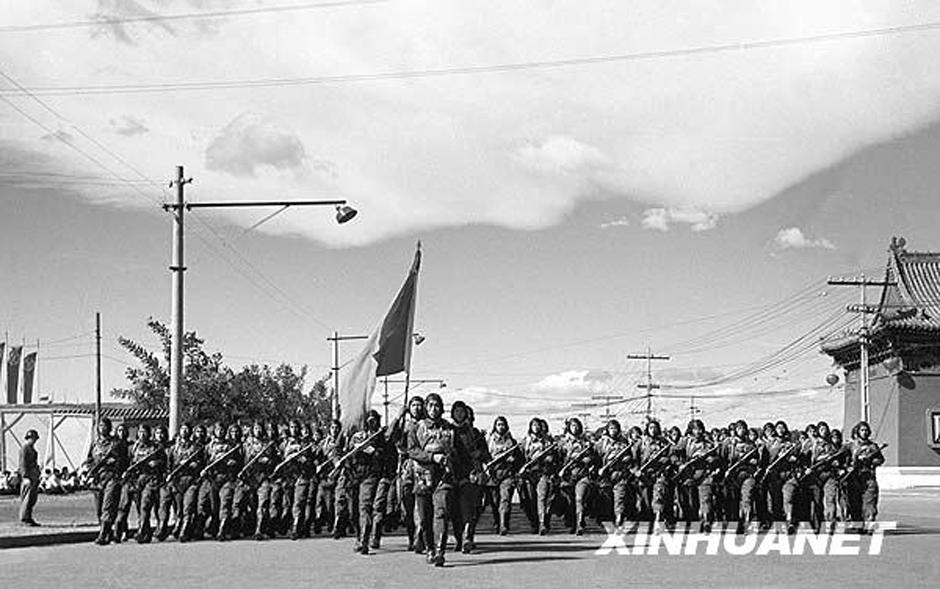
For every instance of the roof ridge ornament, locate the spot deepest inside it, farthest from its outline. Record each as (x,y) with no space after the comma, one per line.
(897,245)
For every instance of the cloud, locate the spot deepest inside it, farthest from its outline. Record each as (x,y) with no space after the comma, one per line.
(660,219)
(129,126)
(793,238)
(689,138)
(57,136)
(251,141)
(619,222)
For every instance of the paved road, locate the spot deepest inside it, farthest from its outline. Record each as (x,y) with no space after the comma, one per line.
(908,559)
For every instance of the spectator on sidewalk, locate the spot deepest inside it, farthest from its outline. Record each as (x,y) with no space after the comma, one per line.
(29,473)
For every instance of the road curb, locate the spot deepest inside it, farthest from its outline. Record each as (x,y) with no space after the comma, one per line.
(52,538)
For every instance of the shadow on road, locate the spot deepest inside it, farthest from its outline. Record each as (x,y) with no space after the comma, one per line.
(510,560)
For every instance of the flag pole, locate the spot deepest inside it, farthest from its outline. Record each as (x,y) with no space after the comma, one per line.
(411,328)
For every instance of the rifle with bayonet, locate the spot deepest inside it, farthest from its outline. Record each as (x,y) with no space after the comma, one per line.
(500,457)
(850,471)
(695,459)
(642,470)
(821,462)
(780,459)
(571,462)
(747,456)
(137,465)
(246,470)
(356,450)
(171,476)
(212,465)
(615,460)
(538,457)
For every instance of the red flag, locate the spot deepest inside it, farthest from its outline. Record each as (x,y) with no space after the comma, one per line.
(387,351)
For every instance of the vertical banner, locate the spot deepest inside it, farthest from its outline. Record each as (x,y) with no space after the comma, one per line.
(29,377)
(13,373)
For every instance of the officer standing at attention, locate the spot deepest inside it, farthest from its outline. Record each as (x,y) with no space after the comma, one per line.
(29,475)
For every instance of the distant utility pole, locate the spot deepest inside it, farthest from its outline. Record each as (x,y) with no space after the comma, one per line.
(178,208)
(863,309)
(97,370)
(336,338)
(693,409)
(650,385)
(607,399)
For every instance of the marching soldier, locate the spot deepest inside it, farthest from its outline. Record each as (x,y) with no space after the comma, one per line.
(744,459)
(616,456)
(261,455)
(470,478)
(535,476)
(186,460)
(142,480)
(784,458)
(224,459)
(124,504)
(401,431)
(206,503)
(861,480)
(368,468)
(507,457)
(821,483)
(107,459)
(654,487)
(214,447)
(696,473)
(296,467)
(165,491)
(579,459)
(438,455)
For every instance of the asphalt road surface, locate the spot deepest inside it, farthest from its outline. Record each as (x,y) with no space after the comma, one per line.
(909,558)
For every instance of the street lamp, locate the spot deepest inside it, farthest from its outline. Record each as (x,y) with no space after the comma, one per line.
(344,214)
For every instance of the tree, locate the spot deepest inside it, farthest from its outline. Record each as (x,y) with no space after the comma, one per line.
(213,391)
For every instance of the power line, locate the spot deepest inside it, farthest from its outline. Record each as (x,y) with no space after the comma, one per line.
(103,20)
(477,69)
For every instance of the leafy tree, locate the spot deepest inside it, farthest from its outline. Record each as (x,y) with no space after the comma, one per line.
(213,390)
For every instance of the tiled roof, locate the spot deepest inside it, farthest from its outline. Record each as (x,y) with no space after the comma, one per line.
(914,302)
(115,411)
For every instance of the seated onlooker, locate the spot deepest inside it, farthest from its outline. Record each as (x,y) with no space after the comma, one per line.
(50,482)
(5,483)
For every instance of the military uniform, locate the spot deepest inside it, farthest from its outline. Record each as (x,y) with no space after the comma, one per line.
(469,484)
(435,481)
(297,476)
(821,483)
(108,456)
(579,459)
(863,484)
(783,488)
(188,457)
(740,486)
(401,430)
(149,460)
(224,481)
(326,500)
(654,486)
(699,480)
(614,476)
(537,482)
(501,478)
(257,477)
(370,470)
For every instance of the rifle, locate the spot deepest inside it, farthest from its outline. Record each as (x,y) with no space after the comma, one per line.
(652,460)
(747,456)
(500,457)
(141,462)
(93,471)
(820,463)
(850,471)
(211,466)
(760,476)
(538,457)
(617,459)
(171,476)
(688,464)
(246,469)
(360,447)
(574,460)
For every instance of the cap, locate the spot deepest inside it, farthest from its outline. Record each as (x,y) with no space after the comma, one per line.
(32,434)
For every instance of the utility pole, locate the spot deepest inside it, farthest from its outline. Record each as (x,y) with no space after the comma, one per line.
(97,370)
(343,215)
(863,309)
(693,410)
(650,385)
(176,309)
(607,416)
